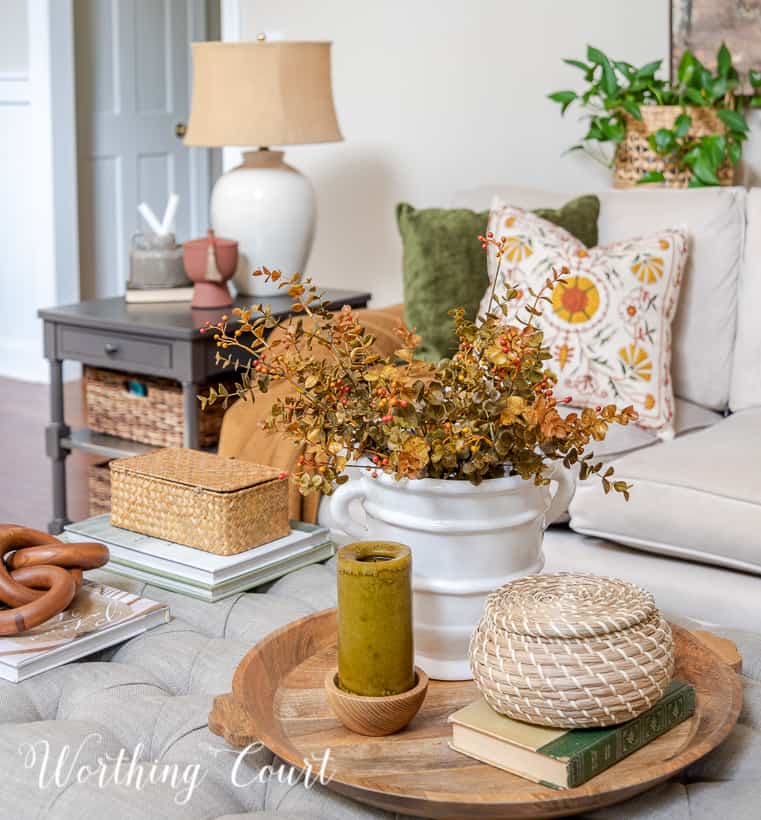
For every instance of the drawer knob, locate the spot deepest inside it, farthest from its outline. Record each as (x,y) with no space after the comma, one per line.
(111,348)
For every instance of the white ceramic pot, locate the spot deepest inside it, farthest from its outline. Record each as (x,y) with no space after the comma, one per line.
(466,541)
(270,209)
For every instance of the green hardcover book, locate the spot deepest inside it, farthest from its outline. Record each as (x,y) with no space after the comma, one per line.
(563,758)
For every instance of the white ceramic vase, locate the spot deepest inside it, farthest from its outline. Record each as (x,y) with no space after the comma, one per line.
(270,209)
(466,541)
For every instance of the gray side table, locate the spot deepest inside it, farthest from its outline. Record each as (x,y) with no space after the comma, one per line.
(150,340)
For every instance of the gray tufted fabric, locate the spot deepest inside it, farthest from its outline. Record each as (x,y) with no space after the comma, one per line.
(153,695)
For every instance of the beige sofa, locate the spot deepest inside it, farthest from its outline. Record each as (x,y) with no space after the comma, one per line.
(692,530)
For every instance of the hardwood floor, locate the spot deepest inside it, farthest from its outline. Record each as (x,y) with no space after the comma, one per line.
(25,487)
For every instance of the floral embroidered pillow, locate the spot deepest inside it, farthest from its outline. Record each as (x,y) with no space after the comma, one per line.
(608,326)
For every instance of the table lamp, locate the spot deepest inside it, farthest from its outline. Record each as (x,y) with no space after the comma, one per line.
(262,94)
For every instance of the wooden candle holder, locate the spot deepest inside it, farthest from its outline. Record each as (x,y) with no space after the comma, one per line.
(376,716)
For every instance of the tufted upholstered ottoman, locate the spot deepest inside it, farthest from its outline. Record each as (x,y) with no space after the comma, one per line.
(148,700)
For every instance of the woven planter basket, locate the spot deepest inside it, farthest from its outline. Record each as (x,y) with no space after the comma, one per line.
(157,417)
(571,651)
(215,504)
(635,157)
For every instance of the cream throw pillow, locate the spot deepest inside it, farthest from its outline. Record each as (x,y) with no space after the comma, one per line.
(609,326)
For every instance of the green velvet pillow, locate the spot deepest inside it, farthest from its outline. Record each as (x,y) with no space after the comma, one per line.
(445,266)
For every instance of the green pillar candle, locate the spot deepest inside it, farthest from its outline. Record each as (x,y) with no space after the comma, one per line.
(375,649)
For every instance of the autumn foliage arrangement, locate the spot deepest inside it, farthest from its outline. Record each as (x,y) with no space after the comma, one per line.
(488,411)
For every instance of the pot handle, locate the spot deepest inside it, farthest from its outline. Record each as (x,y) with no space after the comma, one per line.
(339,508)
(566,482)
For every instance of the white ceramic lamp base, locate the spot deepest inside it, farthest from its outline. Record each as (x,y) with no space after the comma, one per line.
(270,209)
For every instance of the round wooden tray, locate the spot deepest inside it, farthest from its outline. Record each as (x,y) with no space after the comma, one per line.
(278,698)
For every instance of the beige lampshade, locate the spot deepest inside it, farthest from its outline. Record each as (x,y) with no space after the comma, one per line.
(261,94)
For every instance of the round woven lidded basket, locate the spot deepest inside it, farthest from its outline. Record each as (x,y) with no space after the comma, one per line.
(571,651)
(635,157)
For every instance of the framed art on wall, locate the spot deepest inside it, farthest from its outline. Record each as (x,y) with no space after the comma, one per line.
(702,26)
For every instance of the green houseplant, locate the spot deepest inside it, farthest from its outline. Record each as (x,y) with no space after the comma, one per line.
(686,132)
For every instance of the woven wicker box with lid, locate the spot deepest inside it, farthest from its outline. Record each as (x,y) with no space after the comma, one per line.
(216,504)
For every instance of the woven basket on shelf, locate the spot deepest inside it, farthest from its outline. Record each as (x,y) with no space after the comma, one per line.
(635,157)
(215,504)
(571,651)
(99,488)
(144,408)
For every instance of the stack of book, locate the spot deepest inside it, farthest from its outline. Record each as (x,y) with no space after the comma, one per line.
(563,758)
(99,617)
(201,574)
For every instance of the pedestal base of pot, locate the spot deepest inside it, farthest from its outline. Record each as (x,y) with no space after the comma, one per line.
(454,670)
(211,295)
(376,716)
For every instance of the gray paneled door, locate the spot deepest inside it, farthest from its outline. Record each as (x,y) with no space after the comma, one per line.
(133,87)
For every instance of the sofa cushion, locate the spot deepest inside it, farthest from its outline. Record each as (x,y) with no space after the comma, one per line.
(608,323)
(445,266)
(707,312)
(745,390)
(688,588)
(696,497)
(621,440)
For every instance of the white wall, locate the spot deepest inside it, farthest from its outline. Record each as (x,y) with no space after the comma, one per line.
(38,256)
(435,96)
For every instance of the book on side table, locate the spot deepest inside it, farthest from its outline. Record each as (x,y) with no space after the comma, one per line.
(99,617)
(142,296)
(201,574)
(563,758)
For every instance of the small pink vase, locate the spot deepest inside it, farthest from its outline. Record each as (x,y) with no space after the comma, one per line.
(209,263)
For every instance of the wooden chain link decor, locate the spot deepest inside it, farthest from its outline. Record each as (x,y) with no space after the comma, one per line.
(571,651)
(40,575)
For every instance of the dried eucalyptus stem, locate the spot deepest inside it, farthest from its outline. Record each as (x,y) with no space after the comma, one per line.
(487,411)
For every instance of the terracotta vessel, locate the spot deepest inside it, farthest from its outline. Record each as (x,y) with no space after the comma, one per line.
(209,263)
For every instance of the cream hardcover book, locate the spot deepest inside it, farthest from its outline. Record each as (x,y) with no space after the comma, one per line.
(100,616)
(562,758)
(143,296)
(197,573)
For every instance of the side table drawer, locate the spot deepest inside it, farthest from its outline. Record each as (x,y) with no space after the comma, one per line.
(121,349)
